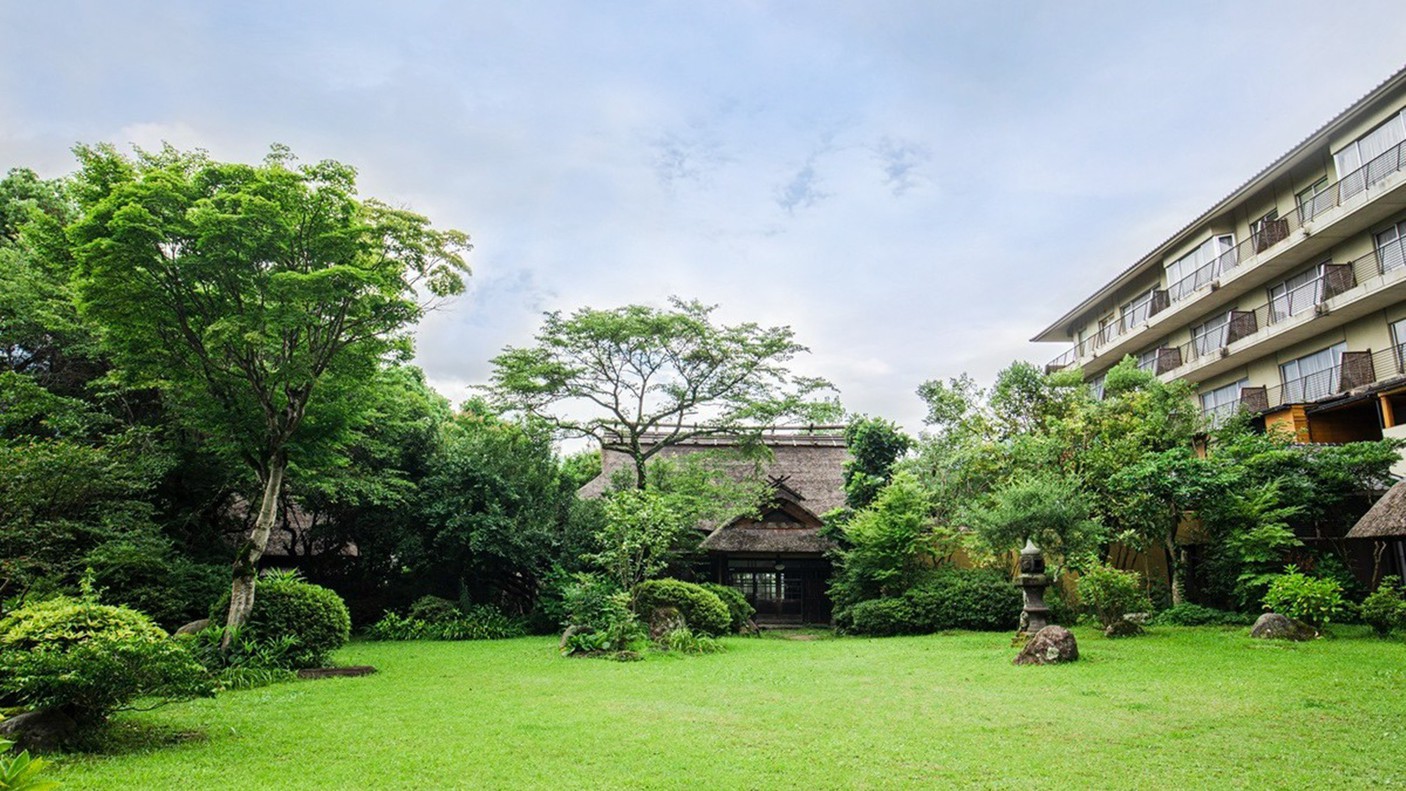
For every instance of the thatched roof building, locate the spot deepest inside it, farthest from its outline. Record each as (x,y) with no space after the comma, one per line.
(1386,518)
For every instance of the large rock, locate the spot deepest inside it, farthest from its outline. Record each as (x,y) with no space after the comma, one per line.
(1123,628)
(43,731)
(570,632)
(1049,646)
(194,627)
(1273,626)
(665,620)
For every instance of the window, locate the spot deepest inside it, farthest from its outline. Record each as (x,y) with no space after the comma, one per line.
(1210,335)
(1107,330)
(1398,342)
(1201,266)
(1295,295)
(1097,386)
(1147,361)
(1371,157)
(1390,252)
(1268,230)
(1314,200)
(1312,376)
(1137,310)
(1220,403)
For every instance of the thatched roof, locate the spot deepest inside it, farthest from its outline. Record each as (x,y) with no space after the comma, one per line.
(1386,518)
(767,537)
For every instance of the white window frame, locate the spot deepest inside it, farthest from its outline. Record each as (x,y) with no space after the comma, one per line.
(1136,310)
(1312,376)
(1289,298)
(1313,200)
(1210,335)
(1219,403)
(1200,266)
(1359,169)
(1391,246)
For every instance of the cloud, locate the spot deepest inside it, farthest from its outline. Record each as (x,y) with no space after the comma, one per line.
(901,161)
(802,190)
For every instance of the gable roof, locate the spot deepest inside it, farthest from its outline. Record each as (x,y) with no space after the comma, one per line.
(1386,518)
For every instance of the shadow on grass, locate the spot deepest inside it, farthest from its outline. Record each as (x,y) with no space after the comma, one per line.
(124,736)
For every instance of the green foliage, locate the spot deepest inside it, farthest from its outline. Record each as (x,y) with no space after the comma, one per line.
(580,468)
(703,610)
(289,607)
(739,610)
(20,772)
(92,659)
(481,622)
(1313,600)
(637,370)
(684,641)
(1043,505)
(1384,609)
(976,599)
(1110,594)
(1187,614)
(641,535)
(874,445)
(890,543)
(603,617)
(434,609)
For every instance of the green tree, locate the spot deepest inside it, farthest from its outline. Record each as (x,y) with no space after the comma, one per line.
(874,445)
(1045,506)
(639,379)
(889,544)
(241,291)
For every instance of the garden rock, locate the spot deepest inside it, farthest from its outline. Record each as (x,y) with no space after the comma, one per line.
(1049,646)
(570,632)
(1123,628)
(43,731)
(665,620)
(1273,626)
(194,627)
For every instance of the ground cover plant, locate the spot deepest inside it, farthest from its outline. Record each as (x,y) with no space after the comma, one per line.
(1179,708)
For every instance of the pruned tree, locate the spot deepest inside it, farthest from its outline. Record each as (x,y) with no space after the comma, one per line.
(254,297)
(619,375)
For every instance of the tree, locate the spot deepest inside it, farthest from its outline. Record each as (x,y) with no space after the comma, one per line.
(1044,506)
(889,544)
(254,297)
(874,445)
(621,374)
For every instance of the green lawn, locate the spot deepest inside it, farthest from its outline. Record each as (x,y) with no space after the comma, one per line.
(1179,708)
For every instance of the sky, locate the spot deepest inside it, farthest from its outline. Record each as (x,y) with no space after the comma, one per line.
(917,188)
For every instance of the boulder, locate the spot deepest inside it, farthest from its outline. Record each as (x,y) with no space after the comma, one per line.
(194,627)
(664,620)
(1049,646)
(570,632)
(1123,628)
(1273,626)
(42,731)
(1139,618)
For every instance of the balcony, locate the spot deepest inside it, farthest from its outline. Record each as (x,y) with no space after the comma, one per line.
(1342,291)
(1310,229)
(1359,369)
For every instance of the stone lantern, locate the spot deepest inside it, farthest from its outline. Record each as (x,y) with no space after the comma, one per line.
(1035,615)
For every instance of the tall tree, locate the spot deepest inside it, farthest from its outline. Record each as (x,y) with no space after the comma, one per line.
(252,296)
(621,374)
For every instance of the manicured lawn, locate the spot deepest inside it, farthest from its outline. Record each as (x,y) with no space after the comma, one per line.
(1180,708)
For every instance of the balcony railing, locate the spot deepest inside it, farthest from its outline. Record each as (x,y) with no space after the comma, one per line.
(1356,369)
(1306,298)
(1262,239)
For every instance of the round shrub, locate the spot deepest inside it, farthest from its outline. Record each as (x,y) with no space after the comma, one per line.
(433,609)
(881,617)
(1110,594)
(701,608)
(89,659)
(286,605)
(738,607)
(1312,600)
(1384,609)
(977,599)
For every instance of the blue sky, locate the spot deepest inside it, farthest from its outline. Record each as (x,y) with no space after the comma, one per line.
(917,188)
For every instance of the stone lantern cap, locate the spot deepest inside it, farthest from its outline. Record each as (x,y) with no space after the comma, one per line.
(1032,562)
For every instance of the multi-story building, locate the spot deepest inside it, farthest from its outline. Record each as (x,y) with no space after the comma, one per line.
(1287,297)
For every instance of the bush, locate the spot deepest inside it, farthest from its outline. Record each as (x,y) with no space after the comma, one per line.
(702,609)
(433,609)
(480,623)
(1301,597)
(739,610)
(602,617)
(20,772)
(881,618)
(684,641)
(1384,609)
(1187,614)
(89,659)
(1109,594)
(285,605)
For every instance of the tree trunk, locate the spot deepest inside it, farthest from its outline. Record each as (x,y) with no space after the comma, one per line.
(246,561)
(1174,569)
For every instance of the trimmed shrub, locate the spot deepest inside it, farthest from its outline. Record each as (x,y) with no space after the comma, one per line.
(1187,614)
(738,607)
(701,608)
(976,599)
(482,622)
(89,659)
(1312,600)
(433,609)
(1109,594)
(1383,609)
(881,618)
(285,605)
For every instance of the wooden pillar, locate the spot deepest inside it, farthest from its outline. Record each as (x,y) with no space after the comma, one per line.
(1388,417)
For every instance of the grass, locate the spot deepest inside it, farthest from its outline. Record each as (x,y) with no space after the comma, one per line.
(1178,708)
